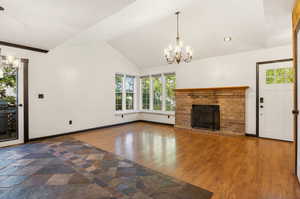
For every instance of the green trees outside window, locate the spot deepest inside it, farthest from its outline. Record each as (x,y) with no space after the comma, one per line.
(170,93)
(157,93)
(8,85)
(145,93)
(119,91)
(280,76)
(129,82)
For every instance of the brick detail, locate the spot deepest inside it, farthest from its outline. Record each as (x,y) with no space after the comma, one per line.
(231,102)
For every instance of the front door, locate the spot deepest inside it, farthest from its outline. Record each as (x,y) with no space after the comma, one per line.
(11,102)
(276,100)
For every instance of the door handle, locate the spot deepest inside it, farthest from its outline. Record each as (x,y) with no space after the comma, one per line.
(295,112)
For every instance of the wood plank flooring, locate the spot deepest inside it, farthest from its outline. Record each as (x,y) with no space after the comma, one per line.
(231,167)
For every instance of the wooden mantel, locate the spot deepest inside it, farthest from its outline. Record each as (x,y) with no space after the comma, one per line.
(213,88)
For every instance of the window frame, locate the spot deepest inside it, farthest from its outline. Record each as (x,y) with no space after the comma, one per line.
(124,92)
(138,96)
(115,93)
(133,92)
(164,95)
(160,77)
(141,93)
(165,92)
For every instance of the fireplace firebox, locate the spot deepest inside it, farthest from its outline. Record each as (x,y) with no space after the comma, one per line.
(206,117)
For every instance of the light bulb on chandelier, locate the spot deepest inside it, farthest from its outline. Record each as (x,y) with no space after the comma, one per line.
(178,53)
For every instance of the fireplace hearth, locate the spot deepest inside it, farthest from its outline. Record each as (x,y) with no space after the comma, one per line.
(206,117)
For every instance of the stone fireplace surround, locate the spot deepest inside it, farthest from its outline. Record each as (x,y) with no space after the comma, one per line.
(230,99)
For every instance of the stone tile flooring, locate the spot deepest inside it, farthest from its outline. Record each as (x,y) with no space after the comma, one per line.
(65,168)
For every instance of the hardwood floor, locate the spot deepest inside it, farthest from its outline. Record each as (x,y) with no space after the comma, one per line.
(231,167)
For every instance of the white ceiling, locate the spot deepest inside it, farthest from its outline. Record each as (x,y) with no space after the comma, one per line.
(252,24)
(48,23)
(141,29)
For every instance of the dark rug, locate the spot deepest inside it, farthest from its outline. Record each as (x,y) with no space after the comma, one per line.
(70,169)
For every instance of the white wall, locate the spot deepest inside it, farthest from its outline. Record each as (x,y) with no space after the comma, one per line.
(78,83)
(231,70)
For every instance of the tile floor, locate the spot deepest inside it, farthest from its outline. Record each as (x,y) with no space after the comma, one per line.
(67,168)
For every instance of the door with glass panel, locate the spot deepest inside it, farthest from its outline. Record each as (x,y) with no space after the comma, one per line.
(11,101)
(276,99)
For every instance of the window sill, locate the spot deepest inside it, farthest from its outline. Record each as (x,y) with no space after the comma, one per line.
(172,113)
(126,112)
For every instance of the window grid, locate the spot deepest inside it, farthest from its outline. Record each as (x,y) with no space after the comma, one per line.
(280,76)
(170,85)
(129,82)
(145,90)
(157,92)
(125,95)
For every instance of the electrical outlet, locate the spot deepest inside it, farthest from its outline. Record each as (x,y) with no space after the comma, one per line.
(168,116)
(122,115)
(70,122)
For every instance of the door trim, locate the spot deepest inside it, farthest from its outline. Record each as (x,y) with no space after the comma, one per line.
(258,64)
(295,55)
(26,98)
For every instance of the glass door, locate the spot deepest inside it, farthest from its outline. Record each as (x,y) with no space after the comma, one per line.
(11,101)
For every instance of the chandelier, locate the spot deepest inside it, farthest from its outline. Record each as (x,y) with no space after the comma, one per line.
(178,53)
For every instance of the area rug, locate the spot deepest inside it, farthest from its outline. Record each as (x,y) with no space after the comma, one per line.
(71,169)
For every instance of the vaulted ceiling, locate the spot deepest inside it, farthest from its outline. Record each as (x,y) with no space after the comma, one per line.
(141,29)
(252,24)
(48,23)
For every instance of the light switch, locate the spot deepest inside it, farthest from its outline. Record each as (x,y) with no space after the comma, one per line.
(41,96)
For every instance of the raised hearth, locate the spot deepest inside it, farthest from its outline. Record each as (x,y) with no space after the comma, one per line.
(230,100)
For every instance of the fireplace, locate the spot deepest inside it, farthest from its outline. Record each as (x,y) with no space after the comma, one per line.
(206,116)
(231,102)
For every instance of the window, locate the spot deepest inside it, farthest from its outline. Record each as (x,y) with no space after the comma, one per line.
(280,76)
(129,82)
(125,92)
(170,85)
(145,85)
(119,91)
(157,92)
